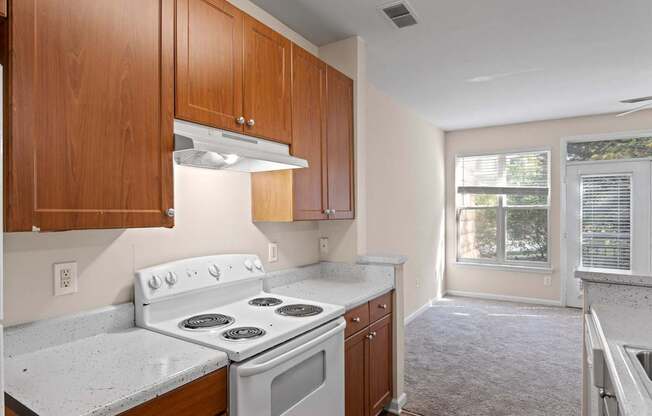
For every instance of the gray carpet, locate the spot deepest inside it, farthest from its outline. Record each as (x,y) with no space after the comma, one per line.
(468,357)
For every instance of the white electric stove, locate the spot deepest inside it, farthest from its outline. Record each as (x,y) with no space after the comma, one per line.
(287,353)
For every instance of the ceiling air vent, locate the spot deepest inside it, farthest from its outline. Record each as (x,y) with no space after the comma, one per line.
(399,13)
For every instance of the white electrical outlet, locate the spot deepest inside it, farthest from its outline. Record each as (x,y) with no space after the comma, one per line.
(65,278)
(547,280)
(272,252)
(323,246)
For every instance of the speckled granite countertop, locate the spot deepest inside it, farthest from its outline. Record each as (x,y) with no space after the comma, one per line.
(335,283)
(98,363)
(616,278)
(620,327)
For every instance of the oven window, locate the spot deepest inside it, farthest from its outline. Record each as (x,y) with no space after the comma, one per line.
(298,382)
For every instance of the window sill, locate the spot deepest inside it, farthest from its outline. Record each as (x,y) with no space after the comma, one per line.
(507,267)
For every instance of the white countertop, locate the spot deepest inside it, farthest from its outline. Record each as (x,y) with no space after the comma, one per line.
(619,327)
(335,283)
(337,292)
(612,277)
(103,374)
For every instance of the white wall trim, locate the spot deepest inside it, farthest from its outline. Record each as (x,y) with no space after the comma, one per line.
(492,296)
(396,405)
(414,315)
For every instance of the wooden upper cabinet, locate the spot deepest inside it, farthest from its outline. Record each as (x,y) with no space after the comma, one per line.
(209,63)
(91,99)
(309,135)
(267,83)
(340,145)
(3,8)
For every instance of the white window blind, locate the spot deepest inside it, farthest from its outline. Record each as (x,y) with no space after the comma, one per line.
(506,174)
(606,221)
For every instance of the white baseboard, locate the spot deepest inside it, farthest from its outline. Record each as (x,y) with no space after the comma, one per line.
(396,405)
(414,315)
(491,296)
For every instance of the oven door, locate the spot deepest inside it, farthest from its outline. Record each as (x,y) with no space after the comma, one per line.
(304,376)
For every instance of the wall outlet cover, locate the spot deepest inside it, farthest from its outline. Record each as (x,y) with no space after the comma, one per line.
(272,252)
(323,246)
(65,278)
(547,280)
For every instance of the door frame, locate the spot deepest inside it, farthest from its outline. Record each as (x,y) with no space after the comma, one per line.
(563,229)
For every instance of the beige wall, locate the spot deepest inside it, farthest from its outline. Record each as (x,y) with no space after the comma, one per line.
(545,134)
(213,216)
(405,194)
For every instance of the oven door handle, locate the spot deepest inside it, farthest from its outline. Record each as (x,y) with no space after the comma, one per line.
(259,368)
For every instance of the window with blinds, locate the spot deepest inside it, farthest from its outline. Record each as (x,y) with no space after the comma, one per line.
(502,208)
(606,221)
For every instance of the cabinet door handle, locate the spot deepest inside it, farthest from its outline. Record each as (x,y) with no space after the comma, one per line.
(356,319)
(370,337)
(170,212)
(251,122)
(240,120)
(373,334)
(383,306)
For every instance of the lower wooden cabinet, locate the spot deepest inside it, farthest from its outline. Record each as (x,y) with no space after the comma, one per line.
(368,358)
(205,396)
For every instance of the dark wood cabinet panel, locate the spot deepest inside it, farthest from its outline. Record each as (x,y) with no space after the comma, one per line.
(91,98)
(356,375)
(356,319)
(380,306)
(309,135)
(380,365)
(267,82)
(206,396)
(209,59)
(3,8)
(369,355)
(340,145)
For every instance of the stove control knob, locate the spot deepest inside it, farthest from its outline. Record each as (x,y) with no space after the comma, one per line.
(248,265)
(155,282)
(258,264)
(171,278)
(214,271)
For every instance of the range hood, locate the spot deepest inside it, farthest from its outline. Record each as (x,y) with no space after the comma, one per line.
(206,147)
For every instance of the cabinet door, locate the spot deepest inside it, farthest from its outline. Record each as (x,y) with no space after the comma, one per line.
(267,83)
(309,134)
(380,365)
(340,144)
(209,63)
(356,394)
(92,100)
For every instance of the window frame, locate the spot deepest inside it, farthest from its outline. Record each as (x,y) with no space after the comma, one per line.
(501,262)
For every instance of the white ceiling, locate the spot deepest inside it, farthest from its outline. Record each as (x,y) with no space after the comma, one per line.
(544,59)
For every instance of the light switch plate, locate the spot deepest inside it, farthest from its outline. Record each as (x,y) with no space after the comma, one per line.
(272,252)
(65,278)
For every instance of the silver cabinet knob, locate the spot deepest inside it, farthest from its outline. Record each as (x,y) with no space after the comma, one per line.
(373,333)
(383,306)
(356,319)
(370,337)
(170,212)
(240,120)
(251,122)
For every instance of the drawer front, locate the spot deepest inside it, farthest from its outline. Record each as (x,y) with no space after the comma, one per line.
(205,396)
(356,319)
(381,306)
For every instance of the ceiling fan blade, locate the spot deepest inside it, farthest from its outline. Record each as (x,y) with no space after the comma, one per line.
(634,110)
